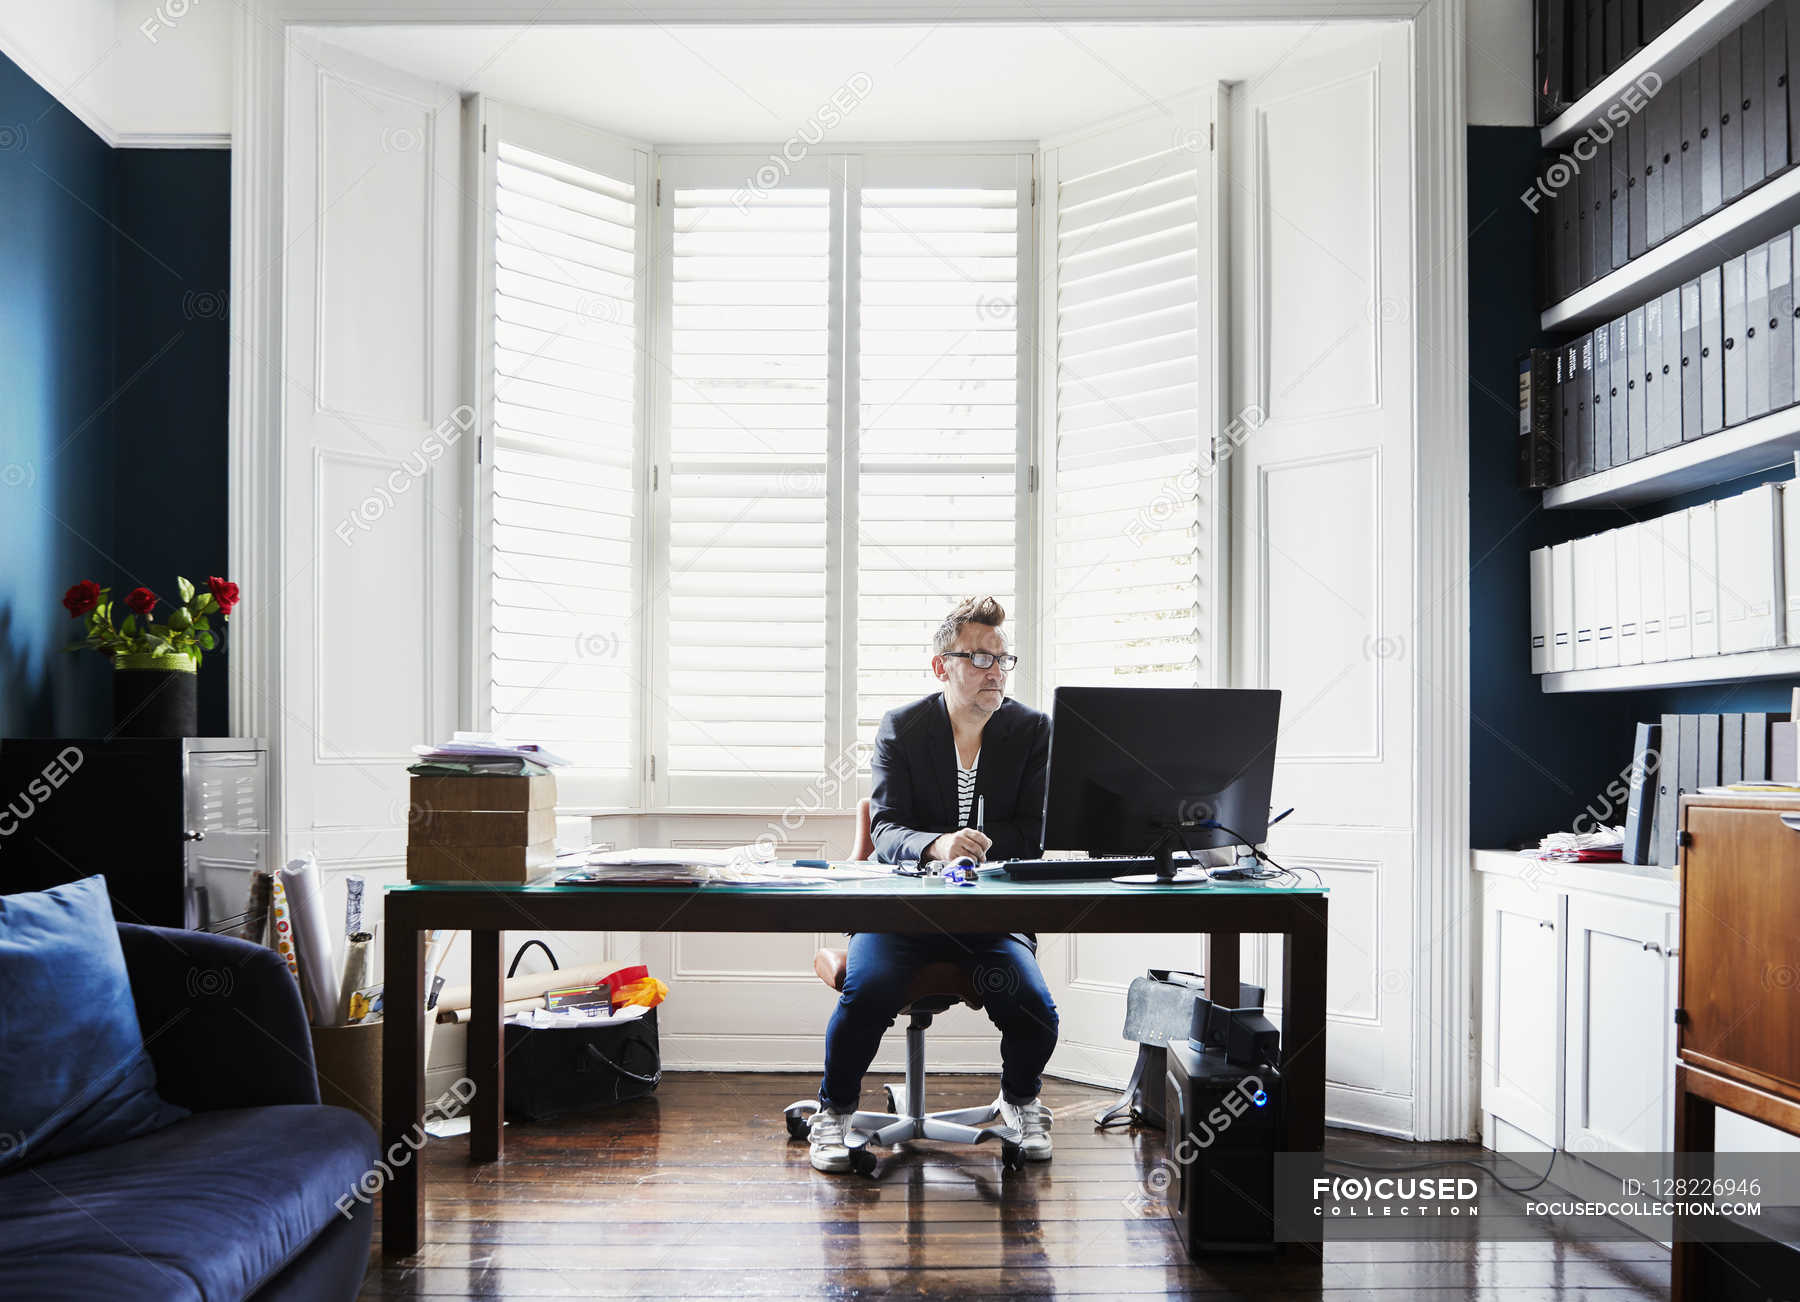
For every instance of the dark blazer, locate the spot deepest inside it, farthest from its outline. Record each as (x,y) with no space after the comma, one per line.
(912,799)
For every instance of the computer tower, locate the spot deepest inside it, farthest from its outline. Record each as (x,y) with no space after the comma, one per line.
(1222,1132)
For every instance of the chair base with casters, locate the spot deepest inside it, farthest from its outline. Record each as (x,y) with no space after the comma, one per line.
(935,988)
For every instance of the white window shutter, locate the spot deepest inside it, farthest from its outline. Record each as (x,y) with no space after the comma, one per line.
(940,417)
(562,554)
(1132,458)
(751,409)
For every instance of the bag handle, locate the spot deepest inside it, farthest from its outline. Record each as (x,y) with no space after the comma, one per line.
(519,957)
(593,1051)
(1162,974)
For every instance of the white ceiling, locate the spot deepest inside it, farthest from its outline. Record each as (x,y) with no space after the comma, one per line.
(672,85)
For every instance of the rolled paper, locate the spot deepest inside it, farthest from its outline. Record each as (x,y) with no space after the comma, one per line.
(280,926)
(353,904)
(358,958)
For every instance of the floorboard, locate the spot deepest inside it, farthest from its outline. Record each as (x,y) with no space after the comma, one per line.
(697,1193)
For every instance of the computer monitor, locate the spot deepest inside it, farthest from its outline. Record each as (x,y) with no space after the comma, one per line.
(1151,770)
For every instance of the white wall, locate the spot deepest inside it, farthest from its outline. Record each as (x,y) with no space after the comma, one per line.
(137,72)
(1497,37)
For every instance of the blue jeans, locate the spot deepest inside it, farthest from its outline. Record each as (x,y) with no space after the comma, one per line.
(880,965)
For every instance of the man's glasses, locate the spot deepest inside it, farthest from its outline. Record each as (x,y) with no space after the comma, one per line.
(987,659)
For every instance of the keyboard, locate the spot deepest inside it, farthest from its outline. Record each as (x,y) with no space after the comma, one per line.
(1078,870)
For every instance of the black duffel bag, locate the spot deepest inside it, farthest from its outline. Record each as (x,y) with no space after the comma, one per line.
(552,1071)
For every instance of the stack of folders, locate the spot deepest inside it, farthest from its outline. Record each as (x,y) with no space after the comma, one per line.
(1692,752)
(1578,42)
(1709,355)
(1714,579)
(1671,148)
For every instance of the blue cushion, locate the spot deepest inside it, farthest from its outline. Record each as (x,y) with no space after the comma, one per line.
(73,1071)
(202,1211)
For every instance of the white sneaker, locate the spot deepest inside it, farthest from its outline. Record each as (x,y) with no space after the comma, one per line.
(1031,1122)
(826,1131)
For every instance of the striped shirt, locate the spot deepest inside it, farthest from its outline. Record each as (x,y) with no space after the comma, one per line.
(965,790)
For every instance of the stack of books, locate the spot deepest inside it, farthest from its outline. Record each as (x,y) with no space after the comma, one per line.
(481,811)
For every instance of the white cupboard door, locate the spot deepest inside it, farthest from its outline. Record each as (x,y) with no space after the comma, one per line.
(372,449)
(1322,520)
(1620,1041)
(1521,985)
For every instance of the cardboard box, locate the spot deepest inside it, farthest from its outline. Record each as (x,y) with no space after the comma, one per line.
(490,794)
(500,864)
(462,827)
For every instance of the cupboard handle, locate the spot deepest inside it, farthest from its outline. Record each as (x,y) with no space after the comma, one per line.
(1652,947)
(1791,822)
(1545,922)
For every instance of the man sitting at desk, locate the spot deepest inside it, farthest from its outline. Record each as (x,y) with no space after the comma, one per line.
(937,762)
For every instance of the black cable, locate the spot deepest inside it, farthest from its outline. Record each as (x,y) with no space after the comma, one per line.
(1453,1162)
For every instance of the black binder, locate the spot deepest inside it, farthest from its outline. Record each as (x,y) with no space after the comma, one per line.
(1618,197)
(1640,809)
(1613,27)
(1691,423)
(1606,393)
(1550,75)
(1657,147)
(1597,66)
(1751,105)
(1756,332)
(1656,18)
(1587,190)
(1630,39)
(1731,749)
(1628,441)
(1731,277)
(1668,786)
(1774,95)
(1578,48)
(1670,376)
(1629,235)
(1791,68)
(1712,370)
(1687,777)
(1568,428)
(1709,131)
(1690,151)
(1600,228)
(1584,404)
(1781,328)
(1731,116)
(1540,460)
(1653,382)
(1568,248)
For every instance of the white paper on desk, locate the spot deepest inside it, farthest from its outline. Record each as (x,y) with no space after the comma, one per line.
(304,885)
(661,857)
(553,1018)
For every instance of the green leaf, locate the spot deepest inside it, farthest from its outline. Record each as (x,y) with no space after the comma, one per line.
(185,588)
(180,619)
(204,602)
(206,639)
(129,626)
(196,654)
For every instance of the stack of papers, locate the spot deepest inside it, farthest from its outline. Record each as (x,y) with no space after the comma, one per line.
(743,865)
(481,752)
(1603,845)
(565,1017)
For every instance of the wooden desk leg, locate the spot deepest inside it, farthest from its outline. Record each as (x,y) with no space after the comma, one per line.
(402,1081)
(1222,968)
(487,1110)
(1695,1116)
(1303,1033)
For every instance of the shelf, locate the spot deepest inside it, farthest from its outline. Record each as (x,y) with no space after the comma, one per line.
(1777,662)
(1645,882)
(1686,39)
(1761,444)
(1759,215)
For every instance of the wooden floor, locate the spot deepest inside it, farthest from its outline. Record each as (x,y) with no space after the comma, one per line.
(698,1193)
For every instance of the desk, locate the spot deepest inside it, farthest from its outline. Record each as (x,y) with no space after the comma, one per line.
(890,904)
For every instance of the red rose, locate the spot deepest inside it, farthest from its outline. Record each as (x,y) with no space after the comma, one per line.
(81,598)
(141,600)
(224,592)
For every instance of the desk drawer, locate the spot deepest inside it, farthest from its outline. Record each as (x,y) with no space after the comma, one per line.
(1740,945)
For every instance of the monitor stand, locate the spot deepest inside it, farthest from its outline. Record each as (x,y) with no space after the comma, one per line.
(1166,874)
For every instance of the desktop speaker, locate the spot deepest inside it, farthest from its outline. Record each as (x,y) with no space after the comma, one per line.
(1223,1130)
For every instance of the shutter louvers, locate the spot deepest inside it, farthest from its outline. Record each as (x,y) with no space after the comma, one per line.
(563,605)
(938,415)
(1130,484)
(749,433)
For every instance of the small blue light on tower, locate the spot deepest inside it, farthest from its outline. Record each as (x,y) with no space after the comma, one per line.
(1260,1098)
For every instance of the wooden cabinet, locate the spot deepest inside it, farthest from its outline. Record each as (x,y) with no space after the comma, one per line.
(1740,983)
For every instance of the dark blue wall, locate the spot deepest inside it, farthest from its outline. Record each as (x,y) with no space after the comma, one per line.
(1536,761)
(113,267)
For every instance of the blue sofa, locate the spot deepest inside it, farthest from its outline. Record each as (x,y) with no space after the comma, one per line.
(239,1200)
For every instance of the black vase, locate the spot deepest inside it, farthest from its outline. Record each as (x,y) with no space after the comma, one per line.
(154,702)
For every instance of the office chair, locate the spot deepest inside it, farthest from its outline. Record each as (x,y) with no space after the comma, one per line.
(934,988)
